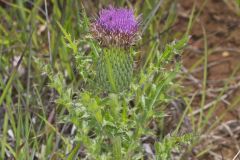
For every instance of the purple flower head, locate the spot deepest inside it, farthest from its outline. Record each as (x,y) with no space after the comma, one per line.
(116,26)
(118,20)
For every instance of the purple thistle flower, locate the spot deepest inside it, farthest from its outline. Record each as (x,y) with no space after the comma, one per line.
(116,26)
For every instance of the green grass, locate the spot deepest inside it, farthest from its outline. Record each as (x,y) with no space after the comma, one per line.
(57,90)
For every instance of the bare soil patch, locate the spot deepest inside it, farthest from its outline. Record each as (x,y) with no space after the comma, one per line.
(222,26)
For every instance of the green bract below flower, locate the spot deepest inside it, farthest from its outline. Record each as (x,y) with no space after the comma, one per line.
(116,26)
(114,70)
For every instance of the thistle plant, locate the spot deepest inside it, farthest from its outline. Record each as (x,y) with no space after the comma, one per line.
(116,29)
(117,125)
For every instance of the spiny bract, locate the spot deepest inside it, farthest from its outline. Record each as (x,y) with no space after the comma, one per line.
(114,70)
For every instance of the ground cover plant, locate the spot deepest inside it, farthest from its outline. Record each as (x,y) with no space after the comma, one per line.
(105,80)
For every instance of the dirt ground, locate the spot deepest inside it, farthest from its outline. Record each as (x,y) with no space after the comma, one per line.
(222,26)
